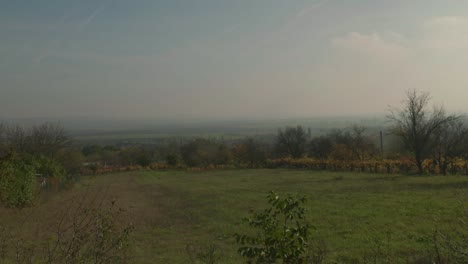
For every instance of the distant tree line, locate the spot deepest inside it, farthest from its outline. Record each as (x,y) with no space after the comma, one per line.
(417,135)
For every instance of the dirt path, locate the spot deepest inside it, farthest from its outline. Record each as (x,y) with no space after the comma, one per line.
(123,190)
(140,204)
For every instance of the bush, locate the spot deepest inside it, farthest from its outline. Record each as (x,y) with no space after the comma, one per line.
(283,235)
(48,168)
(374,166)
(18,180)
(18,185)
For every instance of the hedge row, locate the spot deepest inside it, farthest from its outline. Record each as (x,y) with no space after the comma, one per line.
(458,166)
(88,170)
(389,166)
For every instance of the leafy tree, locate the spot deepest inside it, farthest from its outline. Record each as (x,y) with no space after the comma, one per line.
(416,126)
(292,142)
(282,232)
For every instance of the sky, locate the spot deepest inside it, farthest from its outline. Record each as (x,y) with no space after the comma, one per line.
(228,59)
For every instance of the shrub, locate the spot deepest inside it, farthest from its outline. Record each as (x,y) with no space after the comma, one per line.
(18,180)
(18,185)
(48,168)
(283,235)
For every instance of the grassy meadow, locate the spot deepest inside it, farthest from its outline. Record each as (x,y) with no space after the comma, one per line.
(353,214)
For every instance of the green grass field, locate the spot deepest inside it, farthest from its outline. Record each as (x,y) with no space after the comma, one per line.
(354,214)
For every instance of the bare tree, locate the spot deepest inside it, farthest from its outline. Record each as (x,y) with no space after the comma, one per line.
(18,138)
(292,142)
(354,142)
(416,126)
(361,145)
(48,138)
(450,141)
(321,147)
(45,139)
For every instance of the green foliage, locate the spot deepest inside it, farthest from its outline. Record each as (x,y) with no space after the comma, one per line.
(48,168)
(17,180)
(282,236)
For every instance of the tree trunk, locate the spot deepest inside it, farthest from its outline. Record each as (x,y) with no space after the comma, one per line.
(419,164)
(443,167)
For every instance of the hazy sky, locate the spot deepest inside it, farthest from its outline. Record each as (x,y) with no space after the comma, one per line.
(224,59)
